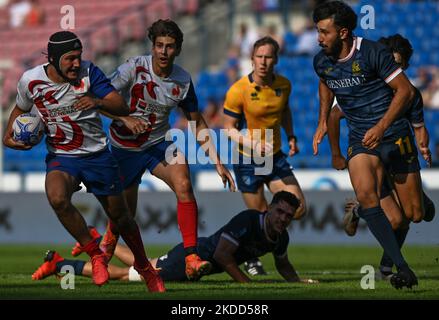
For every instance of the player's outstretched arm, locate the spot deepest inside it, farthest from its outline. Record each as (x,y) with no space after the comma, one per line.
(135,124)
(287,271)
(204,138)
(403,96)
(326,97)
(224,257)
(338,160)
(113,103)
(8,139)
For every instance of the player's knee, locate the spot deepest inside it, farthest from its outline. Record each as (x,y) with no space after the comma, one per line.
(395,221)
(414,212)
(123,221)
(183,190)
(59,203)
(119,211)
(367,199)
(418,215)
(116,211)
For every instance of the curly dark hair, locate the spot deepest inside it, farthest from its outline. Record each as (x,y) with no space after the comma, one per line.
(163,28)
(397,43)
(343,15)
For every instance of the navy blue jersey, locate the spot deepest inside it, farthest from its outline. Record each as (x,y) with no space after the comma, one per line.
(415,113)
(360,84)
(246,230)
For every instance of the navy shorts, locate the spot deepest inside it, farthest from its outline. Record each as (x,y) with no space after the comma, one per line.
(172,265)
(99,171)
(386,187)
(248,181)
(133,164)
(399,155)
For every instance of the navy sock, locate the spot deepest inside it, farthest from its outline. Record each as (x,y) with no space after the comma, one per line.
(78,265)
(400,235)
(380,227)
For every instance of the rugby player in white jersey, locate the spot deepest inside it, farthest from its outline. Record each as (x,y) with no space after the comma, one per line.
(68,93)
(155,85)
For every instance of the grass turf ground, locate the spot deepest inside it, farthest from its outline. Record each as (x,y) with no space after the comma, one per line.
(336,267)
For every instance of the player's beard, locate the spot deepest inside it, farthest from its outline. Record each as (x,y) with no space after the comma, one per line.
(336,48)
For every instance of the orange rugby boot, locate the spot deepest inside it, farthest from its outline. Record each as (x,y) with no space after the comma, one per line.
(48,268)
(77,249)
(195,267)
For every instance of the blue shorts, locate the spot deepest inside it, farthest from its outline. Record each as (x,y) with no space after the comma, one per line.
(248,181)
(99,171)
(173,263)
(399,155)
(133,164)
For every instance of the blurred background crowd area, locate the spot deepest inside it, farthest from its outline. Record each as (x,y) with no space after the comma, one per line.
(218,37)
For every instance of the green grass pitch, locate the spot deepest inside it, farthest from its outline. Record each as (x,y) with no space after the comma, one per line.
(336,267)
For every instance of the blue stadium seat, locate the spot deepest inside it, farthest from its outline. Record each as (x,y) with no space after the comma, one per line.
(290,41)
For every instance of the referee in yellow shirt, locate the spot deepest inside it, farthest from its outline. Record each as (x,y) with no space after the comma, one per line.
(257,102)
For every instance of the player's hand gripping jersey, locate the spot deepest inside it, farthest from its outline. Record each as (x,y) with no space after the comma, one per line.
(68,130)
(360,84)
(151,98)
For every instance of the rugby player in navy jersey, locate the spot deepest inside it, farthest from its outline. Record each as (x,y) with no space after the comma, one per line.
(249,234)
(373,93)
(402,52)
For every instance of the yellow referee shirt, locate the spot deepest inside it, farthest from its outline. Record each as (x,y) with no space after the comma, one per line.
(259,107)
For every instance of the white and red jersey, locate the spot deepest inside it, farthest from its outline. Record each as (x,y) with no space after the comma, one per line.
(151,98)
(68,131)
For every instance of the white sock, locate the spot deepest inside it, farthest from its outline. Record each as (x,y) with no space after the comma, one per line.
(133,275)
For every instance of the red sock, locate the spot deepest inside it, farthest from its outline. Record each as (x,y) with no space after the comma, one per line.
(135,243)
(187,217)
(92,248)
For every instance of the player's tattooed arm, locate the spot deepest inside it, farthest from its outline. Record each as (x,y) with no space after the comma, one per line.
(326,97)
(8,139)
(224,257)
(338,160)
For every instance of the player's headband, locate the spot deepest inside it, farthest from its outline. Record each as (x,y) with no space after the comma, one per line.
(59,44)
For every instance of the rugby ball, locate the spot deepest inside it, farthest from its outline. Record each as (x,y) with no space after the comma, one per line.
(28,128)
